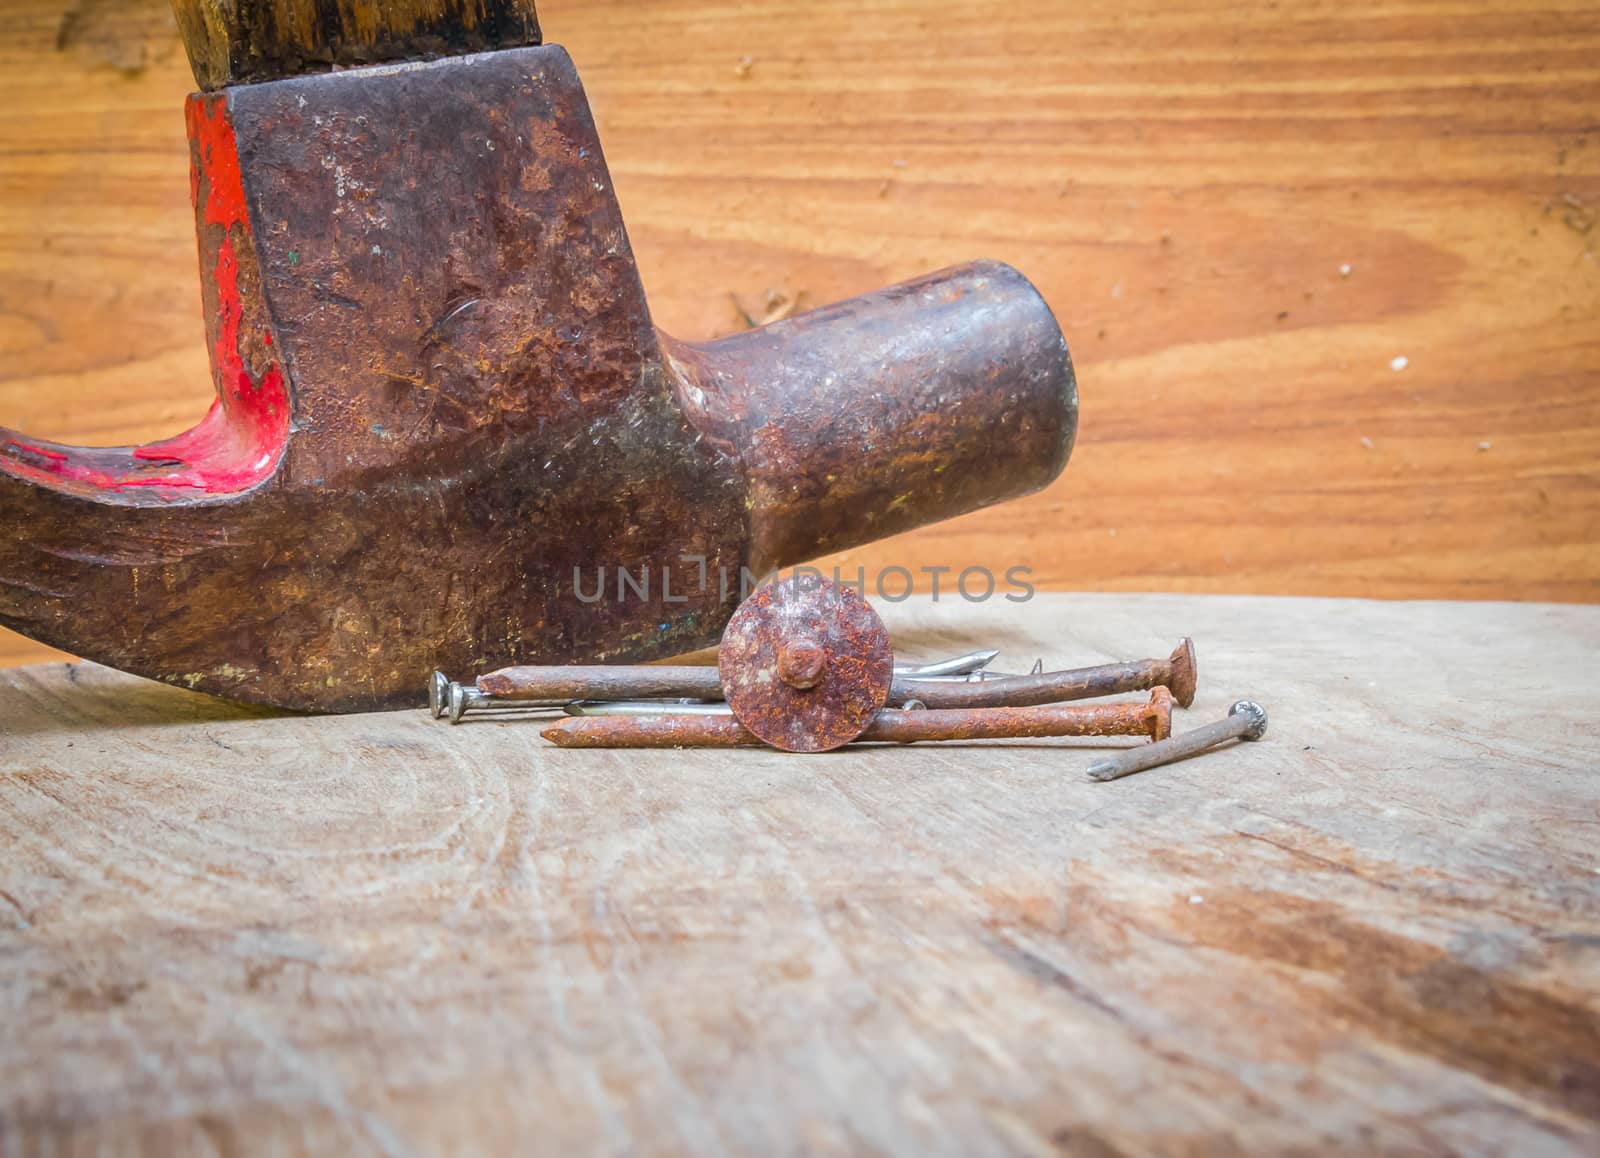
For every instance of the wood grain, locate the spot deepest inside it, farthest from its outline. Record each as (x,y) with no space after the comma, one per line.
(1184,180)
(247,41)
(1375,931)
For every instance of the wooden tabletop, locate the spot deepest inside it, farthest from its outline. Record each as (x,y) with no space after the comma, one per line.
(1378,929)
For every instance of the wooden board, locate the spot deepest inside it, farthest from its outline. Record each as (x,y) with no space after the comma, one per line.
(1378,930)
(1184,179)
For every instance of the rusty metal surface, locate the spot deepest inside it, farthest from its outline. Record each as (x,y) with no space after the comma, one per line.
(1178,673)
(891,725)
(602,683)
(805,664)
(1153,719)
(859,420)
(454,406)
(651,732)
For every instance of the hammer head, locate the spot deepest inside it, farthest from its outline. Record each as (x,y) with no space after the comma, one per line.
(445,426)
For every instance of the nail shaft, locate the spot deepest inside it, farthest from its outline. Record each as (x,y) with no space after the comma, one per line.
(602,683)
(1153,719)
(969,677)
(1177,673)
(973,661)
(1246,720)
(892,726)
(674,731)
(646,708)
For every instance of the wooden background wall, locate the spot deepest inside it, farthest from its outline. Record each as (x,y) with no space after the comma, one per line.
(1245,214)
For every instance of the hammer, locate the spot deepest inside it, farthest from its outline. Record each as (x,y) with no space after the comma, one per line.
(440,397)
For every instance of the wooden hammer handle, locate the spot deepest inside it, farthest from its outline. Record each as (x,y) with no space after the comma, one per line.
(244,41)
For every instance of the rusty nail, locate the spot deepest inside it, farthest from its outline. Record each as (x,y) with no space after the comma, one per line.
(806,666)
(674,731)
(891,725)
(958,683)
(1153,719)
(1178,673)
(802,661)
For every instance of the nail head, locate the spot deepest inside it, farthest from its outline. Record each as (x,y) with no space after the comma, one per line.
(1258,726)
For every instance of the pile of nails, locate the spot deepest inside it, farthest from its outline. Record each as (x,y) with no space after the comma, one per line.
(805,665)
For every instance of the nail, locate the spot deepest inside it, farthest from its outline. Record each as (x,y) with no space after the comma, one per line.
(602,682)
(1178,673)
(646,708)
(961,665)
(960,683)
(555,687)
(894,726)
(515,680)
(460,700)
(966,677)
(1247,720)
(1153,719)
(675,731)
(439,699)
(802,661)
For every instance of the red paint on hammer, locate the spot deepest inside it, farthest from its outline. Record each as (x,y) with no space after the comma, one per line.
(239,442)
